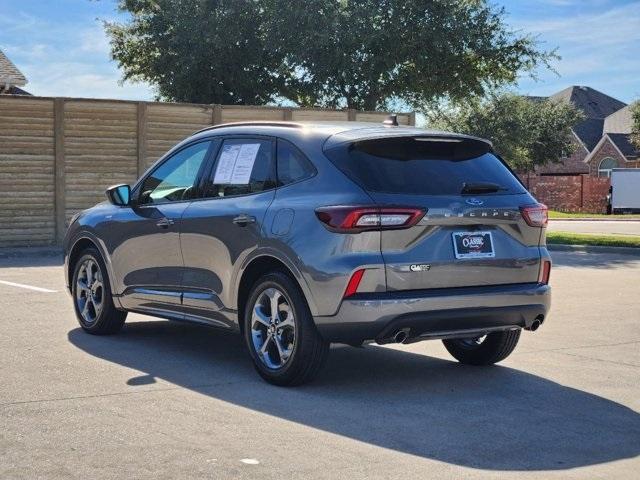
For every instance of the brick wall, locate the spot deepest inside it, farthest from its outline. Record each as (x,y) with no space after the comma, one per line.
(594,194)
(570,193)
(573,164)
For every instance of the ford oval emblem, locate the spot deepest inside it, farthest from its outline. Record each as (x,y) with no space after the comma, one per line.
(475,201)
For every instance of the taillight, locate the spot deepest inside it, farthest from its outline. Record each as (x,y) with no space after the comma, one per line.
(545,272)
(359,219)
(354,283)
(535,215)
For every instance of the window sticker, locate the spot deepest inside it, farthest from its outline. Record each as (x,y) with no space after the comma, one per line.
(236,164)
(226,162)
(244,164)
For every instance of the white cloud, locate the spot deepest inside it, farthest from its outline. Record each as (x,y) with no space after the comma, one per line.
(95,40)
(76,79)
(599,49)
(603,28)
(60,59)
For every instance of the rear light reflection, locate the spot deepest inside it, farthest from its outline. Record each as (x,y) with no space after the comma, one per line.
(535,215)
(545,272)
(358,219)
(354,283)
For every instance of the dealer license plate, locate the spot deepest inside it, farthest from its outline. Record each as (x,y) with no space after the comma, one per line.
(473,244)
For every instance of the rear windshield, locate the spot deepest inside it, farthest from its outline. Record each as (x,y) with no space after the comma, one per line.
(423,166)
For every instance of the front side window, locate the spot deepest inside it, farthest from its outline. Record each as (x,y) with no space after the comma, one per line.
(243,166)
(605,167)
(174,180)
(293,166)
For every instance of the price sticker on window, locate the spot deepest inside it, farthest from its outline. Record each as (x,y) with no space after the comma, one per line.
(236,164)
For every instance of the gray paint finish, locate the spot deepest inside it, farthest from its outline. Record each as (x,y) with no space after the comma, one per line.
(186,259)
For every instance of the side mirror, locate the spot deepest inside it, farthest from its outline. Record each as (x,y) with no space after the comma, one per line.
(119,195)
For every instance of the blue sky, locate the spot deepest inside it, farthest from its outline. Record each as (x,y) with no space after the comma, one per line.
(61,47)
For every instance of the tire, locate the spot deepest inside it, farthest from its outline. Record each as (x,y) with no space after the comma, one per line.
(492,349)
(293,353)
(93,304)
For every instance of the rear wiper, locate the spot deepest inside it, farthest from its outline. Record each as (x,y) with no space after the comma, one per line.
(478,187)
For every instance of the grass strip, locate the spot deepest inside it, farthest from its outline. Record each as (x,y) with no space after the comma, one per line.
(556,214)
(570,238)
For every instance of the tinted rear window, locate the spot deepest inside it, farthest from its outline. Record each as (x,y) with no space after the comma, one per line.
(422,165)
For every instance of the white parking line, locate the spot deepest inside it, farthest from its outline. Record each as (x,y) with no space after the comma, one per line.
(28,287)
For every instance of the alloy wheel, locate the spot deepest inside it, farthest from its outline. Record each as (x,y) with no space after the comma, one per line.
(273,328)
(89,291)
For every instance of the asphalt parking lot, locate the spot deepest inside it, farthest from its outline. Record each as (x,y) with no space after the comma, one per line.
(168,400)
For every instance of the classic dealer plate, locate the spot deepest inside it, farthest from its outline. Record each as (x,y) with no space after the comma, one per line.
(473,244)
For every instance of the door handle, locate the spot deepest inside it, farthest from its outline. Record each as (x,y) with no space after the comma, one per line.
(243,220)
(164,222)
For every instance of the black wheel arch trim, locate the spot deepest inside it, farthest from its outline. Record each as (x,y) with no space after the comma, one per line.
(85,235)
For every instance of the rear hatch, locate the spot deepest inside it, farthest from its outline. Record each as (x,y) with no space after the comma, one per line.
(473,231)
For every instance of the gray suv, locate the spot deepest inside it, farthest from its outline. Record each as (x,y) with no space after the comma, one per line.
(298,235)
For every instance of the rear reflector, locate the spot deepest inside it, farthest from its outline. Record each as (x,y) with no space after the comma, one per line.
(535,215)
(359,219)
(354,283)
(545,272)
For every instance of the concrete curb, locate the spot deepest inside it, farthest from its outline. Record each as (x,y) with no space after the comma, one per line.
(27,252)
(593,249)
(616,218)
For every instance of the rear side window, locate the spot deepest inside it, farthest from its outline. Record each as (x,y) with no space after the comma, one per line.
(422,166)
(243,166)
(293,166)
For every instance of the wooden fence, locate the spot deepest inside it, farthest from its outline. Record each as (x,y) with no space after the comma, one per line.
(58,155)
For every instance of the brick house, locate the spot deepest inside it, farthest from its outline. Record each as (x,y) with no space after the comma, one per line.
(601,139)
(580,181)
(11,79)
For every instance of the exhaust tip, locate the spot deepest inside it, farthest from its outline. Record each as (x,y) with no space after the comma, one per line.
(535,325)
(400,336)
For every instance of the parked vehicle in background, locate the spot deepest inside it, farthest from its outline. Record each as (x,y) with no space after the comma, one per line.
(625,190)
(298,235)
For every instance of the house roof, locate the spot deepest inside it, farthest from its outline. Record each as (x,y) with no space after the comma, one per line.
(596,107)
(594,104)
(623,142)
(589,131)
(9,73)
(16,91)
(619,122)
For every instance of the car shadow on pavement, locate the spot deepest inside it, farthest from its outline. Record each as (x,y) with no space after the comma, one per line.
(31,261)
(495,418)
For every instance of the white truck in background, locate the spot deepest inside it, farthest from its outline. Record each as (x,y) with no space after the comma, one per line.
(625,190)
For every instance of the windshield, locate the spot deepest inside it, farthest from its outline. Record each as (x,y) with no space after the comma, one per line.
(425,166)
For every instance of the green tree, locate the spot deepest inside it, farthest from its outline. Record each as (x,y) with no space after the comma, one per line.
(524,131)
(202,51)
(635,127)
(362,54)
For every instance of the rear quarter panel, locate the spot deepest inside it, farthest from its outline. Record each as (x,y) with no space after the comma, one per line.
(325,260)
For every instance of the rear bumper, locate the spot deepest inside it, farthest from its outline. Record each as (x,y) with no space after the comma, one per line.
(438,313)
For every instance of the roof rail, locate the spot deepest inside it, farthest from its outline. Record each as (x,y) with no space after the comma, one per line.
(260,123)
